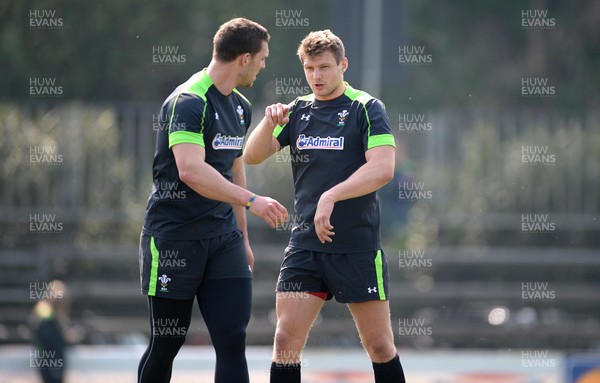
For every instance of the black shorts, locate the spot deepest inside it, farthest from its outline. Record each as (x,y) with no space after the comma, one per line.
(175,269)
(350,277)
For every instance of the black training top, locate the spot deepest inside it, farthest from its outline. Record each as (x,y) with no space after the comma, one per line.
(196,112)
(328,141)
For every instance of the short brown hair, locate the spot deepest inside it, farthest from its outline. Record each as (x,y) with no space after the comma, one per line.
(238,36)
(318,42)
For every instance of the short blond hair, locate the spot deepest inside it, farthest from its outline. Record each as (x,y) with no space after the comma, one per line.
(318,42)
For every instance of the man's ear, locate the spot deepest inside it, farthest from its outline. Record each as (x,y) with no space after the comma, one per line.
(344,64)
(245,58)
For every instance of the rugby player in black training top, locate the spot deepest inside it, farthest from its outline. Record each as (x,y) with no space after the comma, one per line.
(194,242)
(342,151)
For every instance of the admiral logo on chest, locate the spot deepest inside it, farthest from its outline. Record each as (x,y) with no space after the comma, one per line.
(316,142)
(227,142)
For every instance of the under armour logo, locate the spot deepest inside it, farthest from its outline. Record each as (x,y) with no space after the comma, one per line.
(305,117)
(372,290)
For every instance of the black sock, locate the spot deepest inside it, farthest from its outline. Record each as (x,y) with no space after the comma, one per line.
(389,372)
(285,373)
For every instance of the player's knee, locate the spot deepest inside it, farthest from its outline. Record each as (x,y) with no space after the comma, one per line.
(282,338)
(167,347)
(380,349)
(287,349)
(232,342)
(285,340)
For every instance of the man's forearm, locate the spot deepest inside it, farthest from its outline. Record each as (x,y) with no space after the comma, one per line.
(239,179)
(260,144)
(360,183)
(368,178)
(208,182)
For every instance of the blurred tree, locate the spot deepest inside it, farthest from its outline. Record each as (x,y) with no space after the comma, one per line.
(104,50)
(480,51)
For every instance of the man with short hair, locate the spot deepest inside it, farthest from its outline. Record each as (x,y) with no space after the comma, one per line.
(194,242)
(342,152)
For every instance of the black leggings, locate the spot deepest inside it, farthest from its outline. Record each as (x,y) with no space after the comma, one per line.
(225,306)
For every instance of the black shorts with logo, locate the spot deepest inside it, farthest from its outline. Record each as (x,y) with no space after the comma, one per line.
(350,277)
(175,269)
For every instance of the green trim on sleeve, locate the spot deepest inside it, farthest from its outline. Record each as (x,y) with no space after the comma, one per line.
(368,121)
(379,272)
(363,98)
(202,123)
(173,112)
(153,268)
(198,84)
(381,140)
(184,137)
(278,130)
